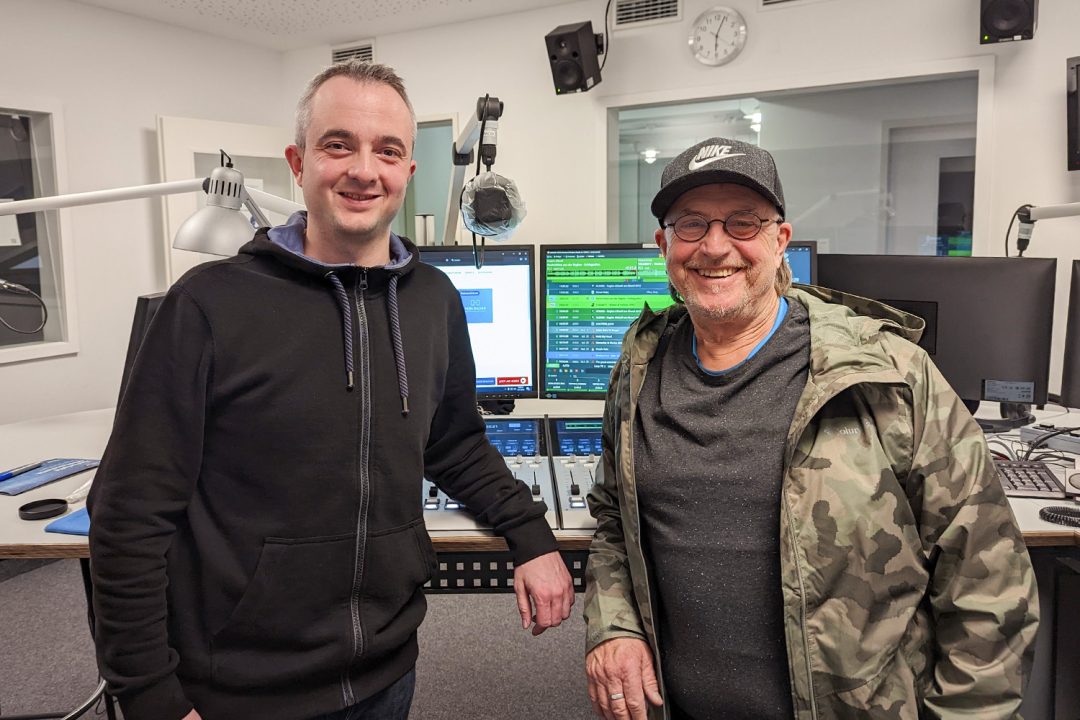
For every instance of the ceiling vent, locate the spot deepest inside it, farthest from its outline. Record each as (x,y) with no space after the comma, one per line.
(363,51)
(636,13)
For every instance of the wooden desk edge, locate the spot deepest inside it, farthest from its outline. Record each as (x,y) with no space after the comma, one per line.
(54,551)
(491,543)
(474,543)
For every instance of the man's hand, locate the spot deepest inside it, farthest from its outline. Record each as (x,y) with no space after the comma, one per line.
(192,716)
(622,667)
(546,582)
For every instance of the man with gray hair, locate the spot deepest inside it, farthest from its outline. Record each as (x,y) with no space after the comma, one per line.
(257,542)
(796,516)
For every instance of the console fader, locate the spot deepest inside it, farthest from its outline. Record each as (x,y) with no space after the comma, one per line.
(522,443)
(576,454)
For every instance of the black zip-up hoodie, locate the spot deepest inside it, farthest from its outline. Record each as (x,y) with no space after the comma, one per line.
(257,541)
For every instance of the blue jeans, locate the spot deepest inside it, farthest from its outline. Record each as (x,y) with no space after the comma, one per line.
(391,703)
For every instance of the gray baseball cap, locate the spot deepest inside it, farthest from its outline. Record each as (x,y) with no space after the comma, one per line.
(718,160)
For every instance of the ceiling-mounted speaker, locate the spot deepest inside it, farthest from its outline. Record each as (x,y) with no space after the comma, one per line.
(1008,20)
(573,54)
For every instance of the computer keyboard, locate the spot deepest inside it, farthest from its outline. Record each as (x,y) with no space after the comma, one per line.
(1029,478)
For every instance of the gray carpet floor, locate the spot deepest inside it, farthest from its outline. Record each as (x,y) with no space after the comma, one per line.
(475,660)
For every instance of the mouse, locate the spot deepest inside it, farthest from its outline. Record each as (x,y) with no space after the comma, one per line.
(1074,481)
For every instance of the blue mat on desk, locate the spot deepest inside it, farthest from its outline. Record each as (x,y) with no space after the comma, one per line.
(77,523)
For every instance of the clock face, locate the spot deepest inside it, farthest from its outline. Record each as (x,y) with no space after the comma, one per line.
(717,36)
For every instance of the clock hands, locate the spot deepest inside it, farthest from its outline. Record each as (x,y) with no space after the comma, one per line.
(716,36)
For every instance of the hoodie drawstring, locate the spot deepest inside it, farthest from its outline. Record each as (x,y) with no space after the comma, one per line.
(346,326)
(399,348)
(395,333)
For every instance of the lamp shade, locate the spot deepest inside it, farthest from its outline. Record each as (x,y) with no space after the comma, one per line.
(219,228)
(214,230)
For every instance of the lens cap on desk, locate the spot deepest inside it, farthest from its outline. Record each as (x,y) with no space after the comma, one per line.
(43,509)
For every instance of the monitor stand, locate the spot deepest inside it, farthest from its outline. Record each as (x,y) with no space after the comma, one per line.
(495,407)
(1013,416)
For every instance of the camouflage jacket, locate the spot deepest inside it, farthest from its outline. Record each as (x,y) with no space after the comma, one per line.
(908,590)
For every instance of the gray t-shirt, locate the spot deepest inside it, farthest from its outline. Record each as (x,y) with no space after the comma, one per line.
(708,458)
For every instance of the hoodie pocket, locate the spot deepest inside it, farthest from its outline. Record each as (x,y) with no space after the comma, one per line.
(399,561)
(293,621)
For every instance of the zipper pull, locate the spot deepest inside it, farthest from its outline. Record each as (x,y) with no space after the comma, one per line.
(363,279)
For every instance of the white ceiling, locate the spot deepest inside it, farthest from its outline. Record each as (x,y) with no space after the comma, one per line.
(294,24)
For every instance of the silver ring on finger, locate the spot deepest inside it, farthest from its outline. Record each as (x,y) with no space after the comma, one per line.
(616,696)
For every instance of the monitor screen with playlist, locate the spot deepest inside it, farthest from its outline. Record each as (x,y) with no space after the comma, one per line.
(1070,373)
(590,294)
(988,319)
(499,307)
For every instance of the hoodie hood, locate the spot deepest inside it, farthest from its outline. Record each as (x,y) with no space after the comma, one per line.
(285,243)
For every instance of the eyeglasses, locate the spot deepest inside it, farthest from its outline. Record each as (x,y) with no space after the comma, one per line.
(741,225)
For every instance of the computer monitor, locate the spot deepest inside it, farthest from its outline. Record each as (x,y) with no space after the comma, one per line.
(801,256)
(146,306)
(1070,372)
(590,294)
(988,319)
(500,307)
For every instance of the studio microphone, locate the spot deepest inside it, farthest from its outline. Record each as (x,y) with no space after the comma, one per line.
(491,206)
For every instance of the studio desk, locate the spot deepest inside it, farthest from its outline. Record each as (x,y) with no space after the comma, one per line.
(557,459)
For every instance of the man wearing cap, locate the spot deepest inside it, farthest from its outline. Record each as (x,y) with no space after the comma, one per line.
(796,516)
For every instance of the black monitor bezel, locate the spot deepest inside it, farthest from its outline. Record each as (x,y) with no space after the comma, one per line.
(1033,319)
(467,250)
(146,307)
(541,282)
(1070,368)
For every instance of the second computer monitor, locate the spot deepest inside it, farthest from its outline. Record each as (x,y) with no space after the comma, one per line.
(988,319)
(1070,373)
(801,256)
(499,307)
(590,294)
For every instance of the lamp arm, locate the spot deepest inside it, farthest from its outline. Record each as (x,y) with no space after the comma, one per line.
(266,200)
(94,197)
(256,212)
(1043,212)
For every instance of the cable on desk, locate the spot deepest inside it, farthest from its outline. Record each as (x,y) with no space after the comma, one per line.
(1009,454)
(1041,440)
(1061,515)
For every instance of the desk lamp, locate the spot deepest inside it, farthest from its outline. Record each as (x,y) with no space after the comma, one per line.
(217,229)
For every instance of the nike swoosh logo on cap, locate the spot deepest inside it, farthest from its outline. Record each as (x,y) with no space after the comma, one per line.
(696,164)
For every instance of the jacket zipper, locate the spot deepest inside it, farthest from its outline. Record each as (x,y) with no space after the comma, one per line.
(632,406)
(365,442)
(789,451)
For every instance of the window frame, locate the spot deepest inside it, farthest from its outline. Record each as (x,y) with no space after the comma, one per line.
(983,66)
(61,331)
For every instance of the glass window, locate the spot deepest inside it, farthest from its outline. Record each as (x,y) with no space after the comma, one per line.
(887,168)
(30,242)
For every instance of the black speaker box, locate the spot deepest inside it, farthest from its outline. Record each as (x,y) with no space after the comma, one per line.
(573,57)
(1008,20)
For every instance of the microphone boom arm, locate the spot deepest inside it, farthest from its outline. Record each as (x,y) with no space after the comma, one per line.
(488,111)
